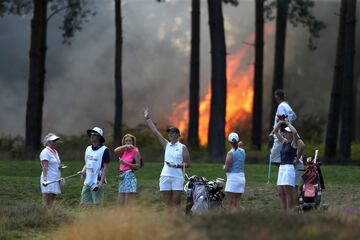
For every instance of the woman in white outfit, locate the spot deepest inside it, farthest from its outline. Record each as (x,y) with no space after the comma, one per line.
(175,160)
(51,165)
(292,147)
(234,169)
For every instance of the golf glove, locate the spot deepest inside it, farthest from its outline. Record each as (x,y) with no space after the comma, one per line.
(62,182)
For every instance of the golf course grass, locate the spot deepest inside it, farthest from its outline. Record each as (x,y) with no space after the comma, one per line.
(23,217)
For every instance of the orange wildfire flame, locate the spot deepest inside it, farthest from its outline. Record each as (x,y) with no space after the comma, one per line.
(239,97)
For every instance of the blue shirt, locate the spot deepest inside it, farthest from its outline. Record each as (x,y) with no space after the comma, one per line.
(287,153)
(238,161)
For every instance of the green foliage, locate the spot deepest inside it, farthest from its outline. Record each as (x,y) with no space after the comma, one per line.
(299,13)
(76,14)
(17,7)
(72,148)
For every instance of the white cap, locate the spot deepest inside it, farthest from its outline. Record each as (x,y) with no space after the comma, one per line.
(287,129)
(50,137)
(233,137)
(98,131)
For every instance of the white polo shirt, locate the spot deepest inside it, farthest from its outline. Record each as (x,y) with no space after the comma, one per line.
(52,156)
(174,155)
(285,109)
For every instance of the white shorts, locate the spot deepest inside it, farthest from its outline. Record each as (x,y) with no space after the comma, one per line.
(168,183)
(275,151)
(235,182)
(286,176)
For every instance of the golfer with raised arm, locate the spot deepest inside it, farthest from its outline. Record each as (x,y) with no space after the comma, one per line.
(176,159)
(97,158)
(51,166)
(291,151)
(283,111)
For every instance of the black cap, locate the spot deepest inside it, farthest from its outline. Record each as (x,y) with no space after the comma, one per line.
(173,130)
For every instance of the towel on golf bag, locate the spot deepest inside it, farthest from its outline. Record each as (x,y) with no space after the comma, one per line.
(200,198)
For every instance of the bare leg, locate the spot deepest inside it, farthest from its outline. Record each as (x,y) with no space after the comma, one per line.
(289,191)
(237,197)
(167,196)
(230,201)
(121,199)
(282,195)
(176,200)
(129,198)
(49,198)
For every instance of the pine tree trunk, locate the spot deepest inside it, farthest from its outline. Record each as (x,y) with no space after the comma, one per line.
(216,137)
(118,74)
(332,129)
(347,94)
(35,100)
(280,43)
(193,134)
(258,75)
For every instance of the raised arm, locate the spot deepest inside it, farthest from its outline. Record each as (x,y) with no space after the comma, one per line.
(276,131)
(294,132)
(118,151)
(153,128)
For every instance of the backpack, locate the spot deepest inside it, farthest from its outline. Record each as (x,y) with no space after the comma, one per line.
(141,163)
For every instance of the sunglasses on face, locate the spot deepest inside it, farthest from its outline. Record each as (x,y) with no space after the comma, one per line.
(94,134)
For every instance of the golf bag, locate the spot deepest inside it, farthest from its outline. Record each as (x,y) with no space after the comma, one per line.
(203,195)
(310,190)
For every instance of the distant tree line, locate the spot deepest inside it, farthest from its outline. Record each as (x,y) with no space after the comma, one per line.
(298,12)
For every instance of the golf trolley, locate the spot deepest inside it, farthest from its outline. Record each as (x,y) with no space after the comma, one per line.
(203,195)
(310,190)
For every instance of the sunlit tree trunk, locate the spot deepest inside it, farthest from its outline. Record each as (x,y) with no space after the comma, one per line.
(193,134)
(346,129)
(258,75)
(35,99)
(118,74)
(282,7)
(216,137)
(332,129)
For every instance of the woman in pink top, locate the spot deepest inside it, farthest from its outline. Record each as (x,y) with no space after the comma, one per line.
(129,159)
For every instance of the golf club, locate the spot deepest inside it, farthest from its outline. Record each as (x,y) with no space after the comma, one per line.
(45,183)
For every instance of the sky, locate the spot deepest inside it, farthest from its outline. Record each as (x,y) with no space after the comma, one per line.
(79,89)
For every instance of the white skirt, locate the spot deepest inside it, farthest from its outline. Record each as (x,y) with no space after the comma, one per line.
(235,182)
(53,188)
(286,176)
